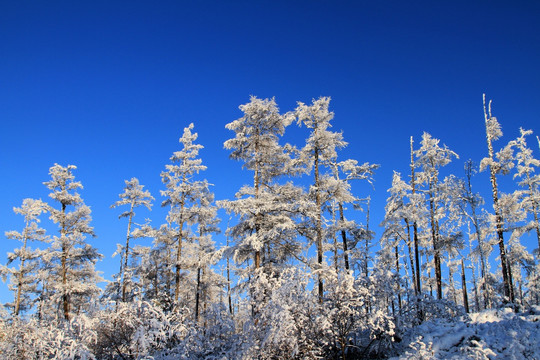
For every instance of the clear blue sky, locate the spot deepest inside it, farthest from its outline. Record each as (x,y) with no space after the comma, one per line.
(109,86)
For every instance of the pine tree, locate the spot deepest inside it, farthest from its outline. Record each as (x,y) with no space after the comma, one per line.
(157,267)
(502,165)
(415,200)
(133,196)
(182,193)
(469,203)
(530,182)
(24,280)
(431,157)
(265,235)
(208,283)
(351,232)
(397,219)
(266,230)
(71,261)
(320,150)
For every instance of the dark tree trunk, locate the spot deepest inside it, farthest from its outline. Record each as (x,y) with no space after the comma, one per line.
(464,287)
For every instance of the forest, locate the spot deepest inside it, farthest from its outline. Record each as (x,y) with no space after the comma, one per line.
(305,275)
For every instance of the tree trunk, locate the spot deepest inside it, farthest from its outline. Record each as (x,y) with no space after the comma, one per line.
(229,282)
(344,238)
(178,267)
(435,242)
(179,249)
(126,254)
(534,211)
(168,272)
(464,287)
(65,296)
(197,294)
(475,286)
(397,282)
(415,226)
(318,229)
(451,284)
(506,272)
(476,223)
(366,250)
(21,269)
(417,258)
(429,275)
(411,257)
(256,180)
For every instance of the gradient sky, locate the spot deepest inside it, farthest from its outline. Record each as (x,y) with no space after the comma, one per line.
(109,86)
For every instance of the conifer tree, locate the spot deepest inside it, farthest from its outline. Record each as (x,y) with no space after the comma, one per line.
(473,200)
(182,194)
(266,231)
(71,261)
(320,155)
(320,150)
(133,196)
(502,165)
(530,181)
(157,267)
(415,200)
(396,220)
(208,283)
(24,279)
(431,157)
(351,232)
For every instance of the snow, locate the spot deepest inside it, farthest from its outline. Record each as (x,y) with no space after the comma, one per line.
(491,334)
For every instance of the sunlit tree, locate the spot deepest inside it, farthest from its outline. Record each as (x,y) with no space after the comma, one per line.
(133,196)
(24,280)
(70,260)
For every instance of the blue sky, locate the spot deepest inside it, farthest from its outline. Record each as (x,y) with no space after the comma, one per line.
(109,86)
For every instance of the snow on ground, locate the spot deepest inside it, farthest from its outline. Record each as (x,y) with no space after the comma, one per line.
(492,334)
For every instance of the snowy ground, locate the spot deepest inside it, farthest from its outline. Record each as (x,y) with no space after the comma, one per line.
(492,334)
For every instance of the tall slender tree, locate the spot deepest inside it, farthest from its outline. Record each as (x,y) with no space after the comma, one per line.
(468,205)
(431,157)
(501,165)
(320,150)
(350,232)
(397,219)
(207,223)
(182,192)
(24,279)
(71,260)
(133,196)
(415,200)
(530,181)
(320,155)
(266,231)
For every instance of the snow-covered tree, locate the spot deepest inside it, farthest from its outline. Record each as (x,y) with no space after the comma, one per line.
(208,283)
(157,267)
(183,193)
(72,278)
(530,181)
(469,203)
(499,163)
(24,280)
(350,232)
(416,201)
(431,157)
(266,230)
(133,196)
(519,259)
(320,150)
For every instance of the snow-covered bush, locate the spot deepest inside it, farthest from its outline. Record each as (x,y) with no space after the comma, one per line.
(138,329)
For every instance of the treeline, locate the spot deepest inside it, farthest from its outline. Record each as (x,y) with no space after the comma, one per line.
(299,279)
